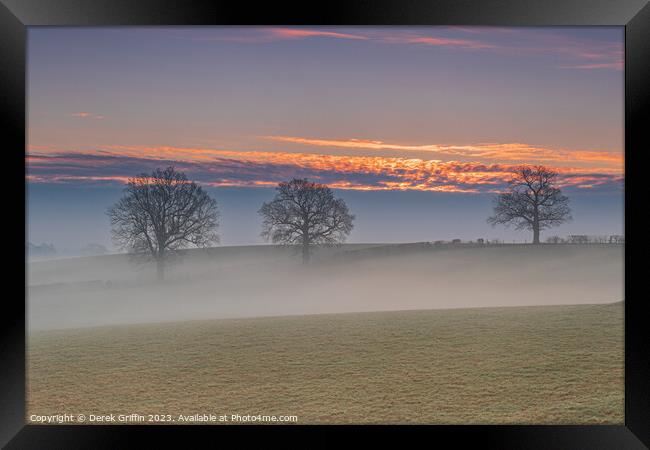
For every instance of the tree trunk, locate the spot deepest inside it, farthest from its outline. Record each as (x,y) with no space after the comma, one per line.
(305,250)
(536,223)
(160,268)
(536,233)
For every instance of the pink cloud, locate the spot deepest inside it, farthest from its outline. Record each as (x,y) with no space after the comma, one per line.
(87,115)
(620,65)
(297,33)
(293,33)
(439,42)
(578,53)
(381,37)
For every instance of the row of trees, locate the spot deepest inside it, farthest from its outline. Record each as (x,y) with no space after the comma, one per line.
(162,212)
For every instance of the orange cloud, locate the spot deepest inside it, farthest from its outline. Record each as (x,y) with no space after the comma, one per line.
(491,151)
(255,168)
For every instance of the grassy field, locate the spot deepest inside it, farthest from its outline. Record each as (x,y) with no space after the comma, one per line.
(518,365)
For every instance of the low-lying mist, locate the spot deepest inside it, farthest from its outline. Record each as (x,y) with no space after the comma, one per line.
(252,281)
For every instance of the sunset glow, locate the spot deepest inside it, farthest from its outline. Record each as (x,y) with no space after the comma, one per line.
(440,109)
(250,168)
(503,152)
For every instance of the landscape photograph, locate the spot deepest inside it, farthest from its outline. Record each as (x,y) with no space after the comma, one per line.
(325,225)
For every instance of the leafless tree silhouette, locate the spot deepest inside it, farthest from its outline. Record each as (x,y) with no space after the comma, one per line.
(305,213)
(162,212)
(532,202)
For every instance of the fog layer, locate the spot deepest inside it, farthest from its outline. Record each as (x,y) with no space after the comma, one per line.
(267,280)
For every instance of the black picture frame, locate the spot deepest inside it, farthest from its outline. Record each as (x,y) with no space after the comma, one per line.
(634,15)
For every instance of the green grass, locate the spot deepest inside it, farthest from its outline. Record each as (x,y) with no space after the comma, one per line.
(553,364)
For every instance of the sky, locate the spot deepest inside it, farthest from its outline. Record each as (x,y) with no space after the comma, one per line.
(416,127)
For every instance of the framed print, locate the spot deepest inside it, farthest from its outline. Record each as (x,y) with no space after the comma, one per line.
(383,218)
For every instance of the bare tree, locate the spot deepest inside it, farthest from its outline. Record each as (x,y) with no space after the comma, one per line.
(532,202)
(162,212)
(305,213)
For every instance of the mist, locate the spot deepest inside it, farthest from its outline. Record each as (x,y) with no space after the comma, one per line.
(254,281)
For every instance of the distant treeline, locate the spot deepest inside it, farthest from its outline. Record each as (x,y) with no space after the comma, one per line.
(42,250)
(571,239)
(49,251)
(587,239)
